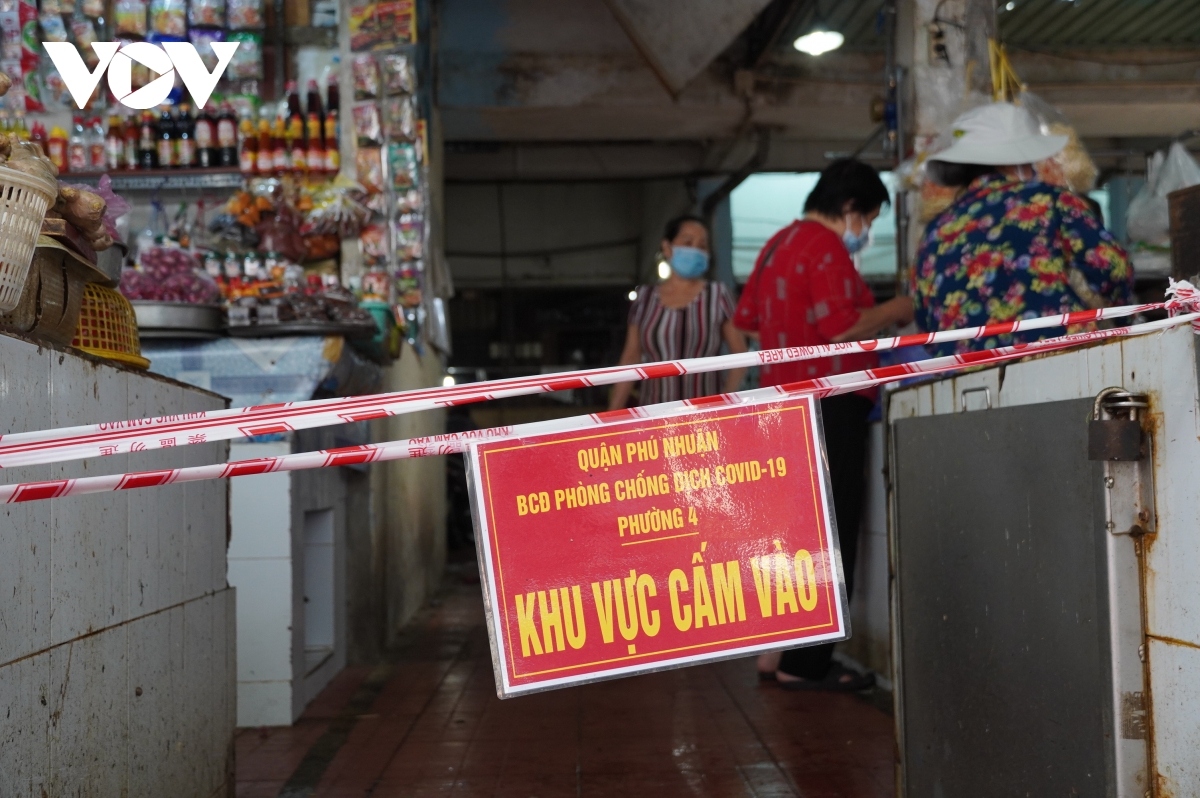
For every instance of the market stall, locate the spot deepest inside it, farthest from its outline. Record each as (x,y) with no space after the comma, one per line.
(269,242)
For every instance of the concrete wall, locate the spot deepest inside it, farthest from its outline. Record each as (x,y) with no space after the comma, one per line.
(407,547)
(116,623)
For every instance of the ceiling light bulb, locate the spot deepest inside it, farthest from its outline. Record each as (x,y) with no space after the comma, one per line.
(633,295)
(818,42)
(1010,6)
(664,270)
(447,381)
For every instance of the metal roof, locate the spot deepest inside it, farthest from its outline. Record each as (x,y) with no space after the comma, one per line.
(1033,24)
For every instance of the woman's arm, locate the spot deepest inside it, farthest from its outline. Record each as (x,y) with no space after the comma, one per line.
(736,342)
(898,310)
(630,354)
(1090,249)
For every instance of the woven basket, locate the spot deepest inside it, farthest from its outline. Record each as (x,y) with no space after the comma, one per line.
(108,327)
(24,200)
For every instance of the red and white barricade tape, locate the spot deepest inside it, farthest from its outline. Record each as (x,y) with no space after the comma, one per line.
(136,435)
(457,442)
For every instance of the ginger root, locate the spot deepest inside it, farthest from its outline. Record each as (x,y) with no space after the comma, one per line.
(5,84)
(81,208)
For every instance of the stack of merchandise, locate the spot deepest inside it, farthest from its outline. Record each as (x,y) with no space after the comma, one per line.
(177,134)
(391,158)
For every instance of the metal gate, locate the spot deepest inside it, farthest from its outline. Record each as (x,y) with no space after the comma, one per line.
(1009,592)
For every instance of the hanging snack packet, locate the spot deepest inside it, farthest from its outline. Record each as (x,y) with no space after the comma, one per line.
(366,77)
(369,164)
(403,165)
(53,28)
(207,13)
(245,14)
(400,116)
(203,40)
(399,77)
(85,36)
(168,17)
(367,127)
(130,17)
(247,63)
(93,8)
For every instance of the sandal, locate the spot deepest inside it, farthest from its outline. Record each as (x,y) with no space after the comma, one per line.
(833,681)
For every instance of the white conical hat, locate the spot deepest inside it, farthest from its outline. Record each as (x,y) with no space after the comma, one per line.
(999,134)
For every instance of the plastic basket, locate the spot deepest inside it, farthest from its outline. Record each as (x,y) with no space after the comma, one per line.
(24,200)
(108,327)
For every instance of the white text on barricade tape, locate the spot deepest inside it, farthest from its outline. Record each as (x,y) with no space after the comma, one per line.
(121,437)
(457,442)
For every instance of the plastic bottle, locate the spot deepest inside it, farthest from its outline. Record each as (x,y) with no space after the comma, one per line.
(265,163)
(19,126)
(248,154)
(333,158)
(207,155)
(227,137)
(293,98)
(56,148)
(315,154)
(129,141)
(185,139)
(279,149)
(38,136)
(333,103)
(147,142)
(313,102)
(97,156)
(114,145)
(77,151)
(166,139)
(294,136)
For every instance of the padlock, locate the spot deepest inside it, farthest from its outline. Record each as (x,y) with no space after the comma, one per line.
(1116,438)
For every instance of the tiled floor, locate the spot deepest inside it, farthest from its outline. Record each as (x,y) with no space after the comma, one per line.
(429,723)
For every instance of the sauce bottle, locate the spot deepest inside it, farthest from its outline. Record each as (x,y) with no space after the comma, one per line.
(227,137)
(77,151)
(185,139)
(333,158)
(129,141)
(315,155)
(56,148)
(265,161)
(279,149)
(97,155)
(147,142)
(313,102)
(166,139)
(114,145)
(205,136)
(38,136)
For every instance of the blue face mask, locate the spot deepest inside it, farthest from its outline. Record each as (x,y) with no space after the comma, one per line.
(689,262)
(856,243)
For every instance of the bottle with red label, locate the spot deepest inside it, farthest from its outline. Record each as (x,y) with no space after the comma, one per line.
(206,140)
(279,149)
(77,148)
(166,139)
(185,138)
(266,152)
(333,158)
(130,142)
(56,148)
(97,156)
(227,138)
(114,145)
(315,155)
(38,136)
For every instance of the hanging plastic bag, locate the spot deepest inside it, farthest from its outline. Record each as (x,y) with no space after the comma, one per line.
(1071,167)
(1148,221)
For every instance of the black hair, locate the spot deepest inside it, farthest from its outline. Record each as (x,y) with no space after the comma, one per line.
(673,226)
(846,181)
(957,175)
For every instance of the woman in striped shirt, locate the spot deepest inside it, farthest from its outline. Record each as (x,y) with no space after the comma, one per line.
(684,316)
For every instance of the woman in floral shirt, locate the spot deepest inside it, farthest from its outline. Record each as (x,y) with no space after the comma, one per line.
(1010,247)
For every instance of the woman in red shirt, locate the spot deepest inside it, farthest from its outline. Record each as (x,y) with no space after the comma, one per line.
(805,290)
